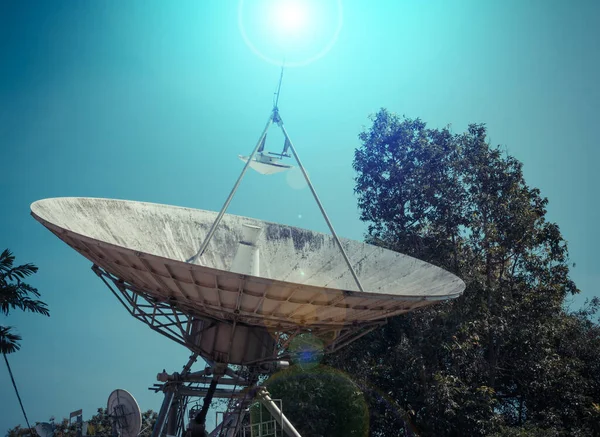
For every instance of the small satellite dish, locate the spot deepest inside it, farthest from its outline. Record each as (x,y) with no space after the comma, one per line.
(265,164)
(44,429)
(125,413)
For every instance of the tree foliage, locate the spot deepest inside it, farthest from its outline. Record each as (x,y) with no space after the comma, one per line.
(319,401)
(16,294)
(99,425)
(505,357)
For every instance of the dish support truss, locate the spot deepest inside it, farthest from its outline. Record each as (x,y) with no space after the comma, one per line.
(275,118)
(164,317)
(238,383)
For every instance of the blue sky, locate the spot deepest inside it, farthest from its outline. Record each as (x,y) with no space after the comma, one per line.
(153,101)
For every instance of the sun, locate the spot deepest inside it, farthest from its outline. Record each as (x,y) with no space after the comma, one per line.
(290,17)
(293,32)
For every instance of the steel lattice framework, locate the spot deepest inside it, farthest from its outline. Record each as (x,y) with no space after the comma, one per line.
(171,321)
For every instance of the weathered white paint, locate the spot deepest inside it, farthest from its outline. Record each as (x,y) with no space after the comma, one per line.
(303,277)
(247,258)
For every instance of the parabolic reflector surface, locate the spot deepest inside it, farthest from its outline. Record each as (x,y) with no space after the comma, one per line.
(303,280)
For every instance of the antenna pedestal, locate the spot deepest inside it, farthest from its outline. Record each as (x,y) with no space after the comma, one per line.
(232,343)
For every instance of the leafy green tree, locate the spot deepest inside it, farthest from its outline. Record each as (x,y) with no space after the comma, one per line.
(319,401)
(65,428)
(17,431)
(506,353)
(100,424)
(16,294)
(148,421)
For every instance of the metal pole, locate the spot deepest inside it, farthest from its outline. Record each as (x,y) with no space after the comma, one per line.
(172,419)
(201,416)
(279,88)
(228,201)
(228,419)
(265,399)
(312,189)
(162,415)
(188,366)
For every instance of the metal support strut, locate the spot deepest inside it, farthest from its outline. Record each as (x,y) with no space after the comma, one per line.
(276,118)
(230,197)
(314,192)
(265,399)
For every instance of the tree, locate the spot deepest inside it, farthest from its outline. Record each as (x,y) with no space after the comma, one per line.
(9,341)
(319,401)
(98,425)
(506,353)
(16,294)
(17,431)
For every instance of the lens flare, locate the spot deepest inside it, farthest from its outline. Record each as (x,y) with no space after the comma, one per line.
(327,395)
(293,32)
(307,351)
(295,179)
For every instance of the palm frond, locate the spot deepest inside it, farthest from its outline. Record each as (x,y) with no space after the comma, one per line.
(9,342)
(9,295)
(6,260)
(34,306)
(21,272)
(28,289)
(15,294)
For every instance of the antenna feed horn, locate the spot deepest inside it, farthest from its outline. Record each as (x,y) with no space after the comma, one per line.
(166,377)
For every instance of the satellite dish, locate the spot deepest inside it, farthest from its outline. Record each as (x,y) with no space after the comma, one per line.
(125,413)
(237,290)
(44,429)
(303,284)
(303,280)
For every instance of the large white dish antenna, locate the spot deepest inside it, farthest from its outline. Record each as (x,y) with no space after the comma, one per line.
(303,281)
(125,413)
